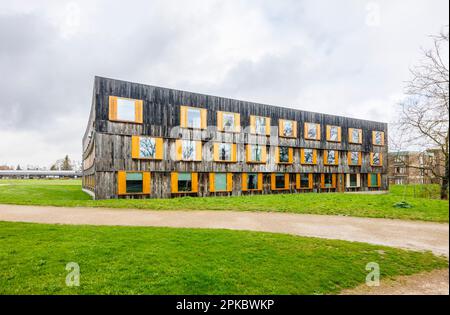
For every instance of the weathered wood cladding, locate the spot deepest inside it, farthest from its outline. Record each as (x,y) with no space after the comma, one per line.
(161,118)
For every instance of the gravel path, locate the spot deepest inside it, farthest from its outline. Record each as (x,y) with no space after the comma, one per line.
(427,283)
(414,235)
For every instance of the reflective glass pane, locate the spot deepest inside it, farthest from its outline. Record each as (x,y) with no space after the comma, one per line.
(220,181)
(125,109)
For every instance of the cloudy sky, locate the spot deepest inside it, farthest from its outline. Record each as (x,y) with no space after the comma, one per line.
(348,57)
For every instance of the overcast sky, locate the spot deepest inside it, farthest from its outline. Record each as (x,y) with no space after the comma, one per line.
(340,57)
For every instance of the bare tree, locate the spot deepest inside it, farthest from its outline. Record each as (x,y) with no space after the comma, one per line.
(424,118)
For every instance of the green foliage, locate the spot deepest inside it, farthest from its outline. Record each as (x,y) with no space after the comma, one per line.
(68,193)
(140,260)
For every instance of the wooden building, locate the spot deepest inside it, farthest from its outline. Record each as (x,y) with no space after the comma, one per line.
(145,141)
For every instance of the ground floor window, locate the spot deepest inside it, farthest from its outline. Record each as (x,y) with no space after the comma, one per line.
(130,182)
(304,181)
(220,182)
(251,181)
(280,181)
(374,180)
(134,183)
(328,180)
(353,180)
(184,182)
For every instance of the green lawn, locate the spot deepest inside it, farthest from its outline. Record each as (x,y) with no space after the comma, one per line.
(68,193)
(137,260)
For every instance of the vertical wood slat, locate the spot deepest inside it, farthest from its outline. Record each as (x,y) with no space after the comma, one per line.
(267,126)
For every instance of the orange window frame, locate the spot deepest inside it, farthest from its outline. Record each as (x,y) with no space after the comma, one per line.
(184,117)
(259,183)
(138,110)
(302,156)
(122,183)
(135,148)
(333,181)
(253,125)
(281,128)
(212,187)
(325,157)
(298,183)
(306,127)
(329,133)
(216,153)
(237,121)
(174,183)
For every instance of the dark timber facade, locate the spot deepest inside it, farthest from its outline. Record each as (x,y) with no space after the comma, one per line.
(145,141)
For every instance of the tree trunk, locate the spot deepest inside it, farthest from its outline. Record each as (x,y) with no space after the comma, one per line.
(444,186)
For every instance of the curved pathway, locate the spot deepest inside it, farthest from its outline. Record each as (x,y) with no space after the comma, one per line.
(414,235)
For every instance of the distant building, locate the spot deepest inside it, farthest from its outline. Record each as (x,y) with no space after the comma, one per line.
(27,174)
(413,167)
(145,141)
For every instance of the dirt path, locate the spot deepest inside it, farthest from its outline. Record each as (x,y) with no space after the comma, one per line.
(428,283)
(413,235)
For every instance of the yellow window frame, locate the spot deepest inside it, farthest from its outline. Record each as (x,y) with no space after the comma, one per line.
(138,109)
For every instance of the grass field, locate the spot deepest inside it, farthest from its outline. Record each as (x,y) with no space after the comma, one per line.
(134,260)
(68,193)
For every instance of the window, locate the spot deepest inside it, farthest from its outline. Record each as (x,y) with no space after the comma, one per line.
(251,181)
(192,117)
(256,153)
(220,182)
(374,180)
(280,181)
(188,150)
(287,128)
(304,181)
(228,122)
(146,148)
(328,180)
(308,156)
(125,109)
(333,133)
(376,159)
(312,131)
(224,152)
(133,183)
(354,135)
(284,155)
(354,158)
(260,125)
(184,182)
(331,157)
(353,180)
(377,137)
